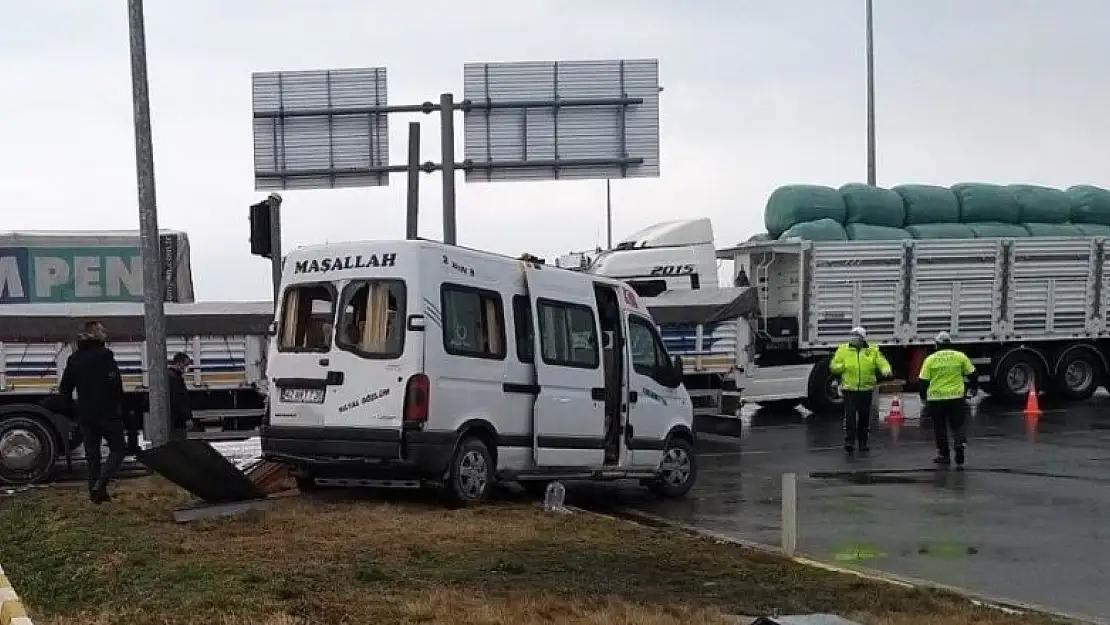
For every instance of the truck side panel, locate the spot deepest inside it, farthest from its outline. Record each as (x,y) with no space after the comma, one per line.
(978,290)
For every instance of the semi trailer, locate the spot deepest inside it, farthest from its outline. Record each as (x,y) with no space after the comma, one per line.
(1028,311)
(227,342)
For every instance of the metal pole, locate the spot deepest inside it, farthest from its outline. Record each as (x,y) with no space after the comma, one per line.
(447,149)
(157,426)
(608,216)
(274,202)
(789,514)
(412,230)
(871,179)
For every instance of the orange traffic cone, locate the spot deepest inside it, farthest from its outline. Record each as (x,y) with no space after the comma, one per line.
(1032,412)
(895,418)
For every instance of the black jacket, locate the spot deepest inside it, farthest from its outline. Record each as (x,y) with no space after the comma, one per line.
(180,411)
(92,372)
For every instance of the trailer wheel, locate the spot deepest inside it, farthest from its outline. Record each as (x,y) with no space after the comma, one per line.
(1014,375)
(471,473)
(1078,375)
(824,389)
(28,449)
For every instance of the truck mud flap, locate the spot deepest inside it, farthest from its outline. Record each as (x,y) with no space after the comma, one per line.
(198,468)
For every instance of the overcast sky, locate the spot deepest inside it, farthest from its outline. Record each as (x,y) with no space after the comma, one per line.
(758,93)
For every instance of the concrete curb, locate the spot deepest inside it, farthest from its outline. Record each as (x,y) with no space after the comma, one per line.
(996,603)
(11,608)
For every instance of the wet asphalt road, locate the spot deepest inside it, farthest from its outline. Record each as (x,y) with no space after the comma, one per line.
(1027,520)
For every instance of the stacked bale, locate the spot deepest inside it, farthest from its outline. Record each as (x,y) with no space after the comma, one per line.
(858,212)
(800,203)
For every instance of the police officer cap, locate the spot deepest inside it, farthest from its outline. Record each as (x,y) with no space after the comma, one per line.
(860,332)
(943,337)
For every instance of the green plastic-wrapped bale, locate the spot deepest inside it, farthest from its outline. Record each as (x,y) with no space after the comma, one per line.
(1093,230)
(928,204)
(873,206)
(800,203)
(1091,205)
(940,231)
(819,230)
(998,230)
(867,232)
(986,203)
(1041,205)
(1054,230)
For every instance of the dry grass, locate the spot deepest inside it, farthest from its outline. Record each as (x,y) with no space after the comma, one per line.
(344,558)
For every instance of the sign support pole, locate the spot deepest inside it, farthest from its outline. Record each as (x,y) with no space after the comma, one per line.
(274,202)
(447,145)
(412,229)
(157,426)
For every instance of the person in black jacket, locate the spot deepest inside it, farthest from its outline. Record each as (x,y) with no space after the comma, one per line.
(181,413)
(92,371)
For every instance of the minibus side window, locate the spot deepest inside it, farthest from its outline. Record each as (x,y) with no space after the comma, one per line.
(473,322)
(307,314)
(568,334)
(525,333)
(370,321)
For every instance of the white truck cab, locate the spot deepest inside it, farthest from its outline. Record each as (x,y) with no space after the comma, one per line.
(420,362)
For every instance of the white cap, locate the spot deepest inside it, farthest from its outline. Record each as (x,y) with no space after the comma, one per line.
(944,337)
(860,332)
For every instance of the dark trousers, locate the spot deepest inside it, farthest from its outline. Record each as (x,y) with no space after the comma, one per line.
(857,417)
(948,415)
(132,424)
(110,431)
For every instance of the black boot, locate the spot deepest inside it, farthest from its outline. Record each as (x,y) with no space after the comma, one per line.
(942,459)
(99,492)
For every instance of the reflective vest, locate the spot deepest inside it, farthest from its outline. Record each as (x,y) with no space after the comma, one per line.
(858,368)
(945,371)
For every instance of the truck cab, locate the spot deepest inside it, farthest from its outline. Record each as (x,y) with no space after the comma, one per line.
(416,363)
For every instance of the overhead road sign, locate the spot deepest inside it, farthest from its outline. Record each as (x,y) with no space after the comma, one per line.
(561,120)
(320,129)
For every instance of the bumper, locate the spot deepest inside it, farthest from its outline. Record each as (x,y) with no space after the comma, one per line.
(370,450)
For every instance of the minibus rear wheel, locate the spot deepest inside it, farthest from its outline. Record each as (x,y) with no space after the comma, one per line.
(470,475)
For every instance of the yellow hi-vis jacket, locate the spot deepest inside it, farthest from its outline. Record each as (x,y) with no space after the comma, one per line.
(858,368)
(944,371)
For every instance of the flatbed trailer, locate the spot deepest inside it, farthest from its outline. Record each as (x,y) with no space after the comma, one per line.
(1026,311)
(227,386)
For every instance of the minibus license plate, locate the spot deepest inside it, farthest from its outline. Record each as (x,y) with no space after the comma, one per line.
(302,395)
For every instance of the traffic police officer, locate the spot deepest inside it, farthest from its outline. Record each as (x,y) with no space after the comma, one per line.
(947,375)
(859,366)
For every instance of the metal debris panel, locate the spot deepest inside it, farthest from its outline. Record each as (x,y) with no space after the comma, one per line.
(320,129)
(561,120)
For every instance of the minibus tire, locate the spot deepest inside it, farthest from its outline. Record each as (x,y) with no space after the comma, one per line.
(470,477)
(666,490)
